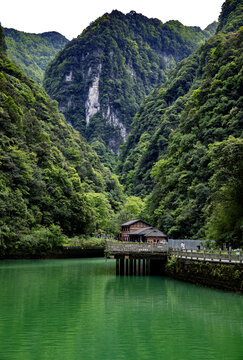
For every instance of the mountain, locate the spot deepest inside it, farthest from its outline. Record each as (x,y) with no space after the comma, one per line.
(211,28)
(32,52)
(184,151)
(100,78)
(230,18)
(51,181)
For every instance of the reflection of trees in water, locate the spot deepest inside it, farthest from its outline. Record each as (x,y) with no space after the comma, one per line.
(79,309)
(174,294)
(167,309)
(52,306)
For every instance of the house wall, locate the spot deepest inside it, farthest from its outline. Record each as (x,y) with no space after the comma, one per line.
(138,225)
(137,238)
(127,229)
(125,236)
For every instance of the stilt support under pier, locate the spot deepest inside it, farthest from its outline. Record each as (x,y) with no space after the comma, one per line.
(132,266)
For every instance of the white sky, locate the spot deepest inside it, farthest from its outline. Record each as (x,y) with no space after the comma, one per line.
(70,17)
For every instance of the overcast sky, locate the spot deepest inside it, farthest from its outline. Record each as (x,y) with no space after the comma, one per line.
(70,17)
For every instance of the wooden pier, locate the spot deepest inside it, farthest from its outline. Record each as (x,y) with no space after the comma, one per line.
(146,259)
(137,258)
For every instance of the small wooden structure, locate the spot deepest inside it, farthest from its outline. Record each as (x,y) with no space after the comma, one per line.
(140,231)
(131,226)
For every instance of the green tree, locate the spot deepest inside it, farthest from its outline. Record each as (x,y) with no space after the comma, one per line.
(33,52)
(132,209)
(225,210)
(200,104)
(52,183)
(102,211)
(3,46)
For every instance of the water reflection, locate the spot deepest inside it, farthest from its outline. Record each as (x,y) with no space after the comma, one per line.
(181,320)
(78,309)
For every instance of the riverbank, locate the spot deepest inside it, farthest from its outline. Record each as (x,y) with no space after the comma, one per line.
(63,252)
(225,276)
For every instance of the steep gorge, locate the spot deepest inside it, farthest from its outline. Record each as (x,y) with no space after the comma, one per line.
(184,151)
(101,78)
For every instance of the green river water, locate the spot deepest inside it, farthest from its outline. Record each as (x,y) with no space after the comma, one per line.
(79,310)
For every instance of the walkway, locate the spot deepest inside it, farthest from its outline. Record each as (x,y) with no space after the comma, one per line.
(221,257)
(151,251)
(136,249)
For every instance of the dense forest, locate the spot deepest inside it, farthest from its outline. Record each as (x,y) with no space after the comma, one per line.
(184,151)
(33,52)
(101,78)
(176,90)
(52,183)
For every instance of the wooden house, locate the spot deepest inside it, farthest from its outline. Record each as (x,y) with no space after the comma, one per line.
(131,226)
(140,231)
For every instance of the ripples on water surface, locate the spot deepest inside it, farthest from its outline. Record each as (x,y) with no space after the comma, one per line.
(79,310)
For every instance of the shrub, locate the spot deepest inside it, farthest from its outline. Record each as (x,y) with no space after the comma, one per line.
(41,240)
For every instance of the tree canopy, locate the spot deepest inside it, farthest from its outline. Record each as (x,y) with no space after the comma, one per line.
(33,52)
(51,181)
(166,157)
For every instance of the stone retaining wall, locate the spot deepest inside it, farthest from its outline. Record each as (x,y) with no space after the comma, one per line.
(218,275)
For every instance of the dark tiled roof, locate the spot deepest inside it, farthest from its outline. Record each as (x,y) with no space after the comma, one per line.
(149,231)
(141,231)
(133,222)
(155,232)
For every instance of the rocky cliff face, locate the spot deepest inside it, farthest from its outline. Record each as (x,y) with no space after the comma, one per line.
(92,105)
(101,77)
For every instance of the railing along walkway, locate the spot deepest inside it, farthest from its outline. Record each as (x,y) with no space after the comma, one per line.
(136,248)
(205,255)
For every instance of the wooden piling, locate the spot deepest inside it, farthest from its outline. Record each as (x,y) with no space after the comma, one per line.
(144,267)
(122,266)
(117,267)
(131,266)
(134,267)
(139,267)
(147,267)
(127,267)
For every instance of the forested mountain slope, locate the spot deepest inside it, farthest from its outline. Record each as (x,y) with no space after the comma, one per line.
(51,181)
(101,77)
(185,146)
(33,52)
